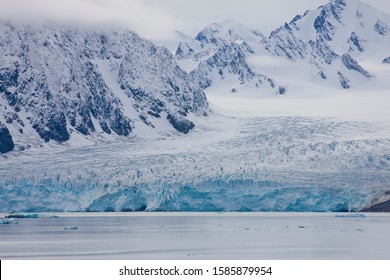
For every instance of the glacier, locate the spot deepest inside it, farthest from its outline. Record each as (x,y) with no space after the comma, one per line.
(232,164)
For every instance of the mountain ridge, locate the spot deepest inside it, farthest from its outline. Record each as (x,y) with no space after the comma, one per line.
(332,40)
(58,81)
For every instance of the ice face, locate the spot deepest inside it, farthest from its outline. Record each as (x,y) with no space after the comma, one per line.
(212,195)
(241,164)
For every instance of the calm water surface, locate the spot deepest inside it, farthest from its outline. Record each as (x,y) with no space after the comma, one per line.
(197,236)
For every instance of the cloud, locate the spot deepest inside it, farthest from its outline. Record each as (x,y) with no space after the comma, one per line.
(158,19)
(143,18)
(264,15)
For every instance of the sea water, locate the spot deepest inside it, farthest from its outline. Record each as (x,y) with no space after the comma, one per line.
(197,236)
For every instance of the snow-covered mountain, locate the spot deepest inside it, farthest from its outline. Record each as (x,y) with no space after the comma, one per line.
(334,38)
(229,63)
(337,28)
(217,35)
(62,83)
(330,41)
(220,52)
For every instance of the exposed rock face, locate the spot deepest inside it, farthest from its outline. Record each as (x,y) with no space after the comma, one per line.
(6,142)
(379,207)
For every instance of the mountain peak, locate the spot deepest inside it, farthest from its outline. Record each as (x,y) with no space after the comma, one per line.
(341,3)
(226,31)
(217,35)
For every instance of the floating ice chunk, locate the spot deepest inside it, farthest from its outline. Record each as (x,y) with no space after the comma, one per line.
(7,221)
(47,216)
(350,215)
(23,216)
(71,228)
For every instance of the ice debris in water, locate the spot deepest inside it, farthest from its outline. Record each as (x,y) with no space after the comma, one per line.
(7,221)
(23,216)
(350,215)
(71,228)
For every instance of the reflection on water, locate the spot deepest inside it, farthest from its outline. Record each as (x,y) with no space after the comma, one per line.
(197,236)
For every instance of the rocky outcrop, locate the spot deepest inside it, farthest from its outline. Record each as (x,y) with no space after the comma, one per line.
(6,142)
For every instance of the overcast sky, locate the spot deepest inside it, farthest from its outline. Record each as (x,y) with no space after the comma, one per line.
(157,19)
